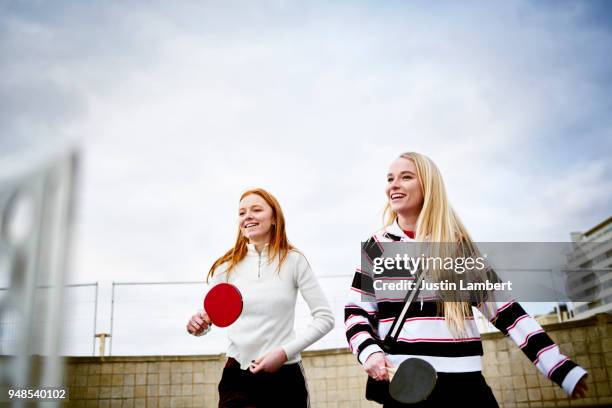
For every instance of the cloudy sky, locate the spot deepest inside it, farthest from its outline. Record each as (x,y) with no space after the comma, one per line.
(178,108)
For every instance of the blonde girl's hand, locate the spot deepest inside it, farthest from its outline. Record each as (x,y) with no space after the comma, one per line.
(376,366)
(269,363)
(199,324)
(580,390)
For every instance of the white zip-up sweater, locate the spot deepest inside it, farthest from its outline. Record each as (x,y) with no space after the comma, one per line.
(268,295)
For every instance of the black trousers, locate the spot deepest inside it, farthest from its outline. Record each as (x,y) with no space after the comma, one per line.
(455,390)
(242,389)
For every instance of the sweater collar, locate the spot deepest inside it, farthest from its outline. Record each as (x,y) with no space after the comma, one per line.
(394,229)
(251,250)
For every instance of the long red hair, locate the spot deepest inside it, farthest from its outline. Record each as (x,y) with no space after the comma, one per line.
(279,246)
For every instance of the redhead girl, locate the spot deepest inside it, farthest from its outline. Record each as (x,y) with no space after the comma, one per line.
(442,333)
(263,368)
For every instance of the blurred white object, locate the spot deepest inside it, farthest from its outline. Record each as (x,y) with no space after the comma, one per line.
(36,212)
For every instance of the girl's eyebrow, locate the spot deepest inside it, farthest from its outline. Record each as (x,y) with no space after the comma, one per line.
(401,172)
(253,206)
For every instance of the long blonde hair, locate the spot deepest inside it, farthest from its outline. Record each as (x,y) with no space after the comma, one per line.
(278,247)
(439,225)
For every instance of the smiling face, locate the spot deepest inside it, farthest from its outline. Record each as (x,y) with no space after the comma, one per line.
(255,218)
(403,188)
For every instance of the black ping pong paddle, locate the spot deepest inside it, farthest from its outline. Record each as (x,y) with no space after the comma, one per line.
(412,381)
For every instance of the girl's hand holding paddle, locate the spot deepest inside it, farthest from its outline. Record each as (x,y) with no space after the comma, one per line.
(199,324)
(580,390)
(377,366)
(269,363)
(224,304)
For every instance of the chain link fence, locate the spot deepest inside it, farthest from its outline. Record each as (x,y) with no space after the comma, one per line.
(149,318)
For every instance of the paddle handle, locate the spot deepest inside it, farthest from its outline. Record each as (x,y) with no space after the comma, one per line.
(391,371)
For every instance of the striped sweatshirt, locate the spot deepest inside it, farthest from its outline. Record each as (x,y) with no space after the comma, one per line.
(368,318)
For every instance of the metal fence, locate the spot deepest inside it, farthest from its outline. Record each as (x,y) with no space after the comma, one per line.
(78,329)
(149,318)
(80,321)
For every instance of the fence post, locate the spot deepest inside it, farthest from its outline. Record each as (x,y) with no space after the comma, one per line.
(93,351)
(110,348)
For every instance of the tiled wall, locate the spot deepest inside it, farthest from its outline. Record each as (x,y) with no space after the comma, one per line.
(334,378)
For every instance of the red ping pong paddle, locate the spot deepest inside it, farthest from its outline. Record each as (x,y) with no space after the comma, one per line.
(223,304)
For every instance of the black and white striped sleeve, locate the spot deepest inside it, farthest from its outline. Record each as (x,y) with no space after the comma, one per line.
(512,320)
(360,315)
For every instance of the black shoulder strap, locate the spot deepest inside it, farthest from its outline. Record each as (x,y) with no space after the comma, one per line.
(391,337)
(373,250)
